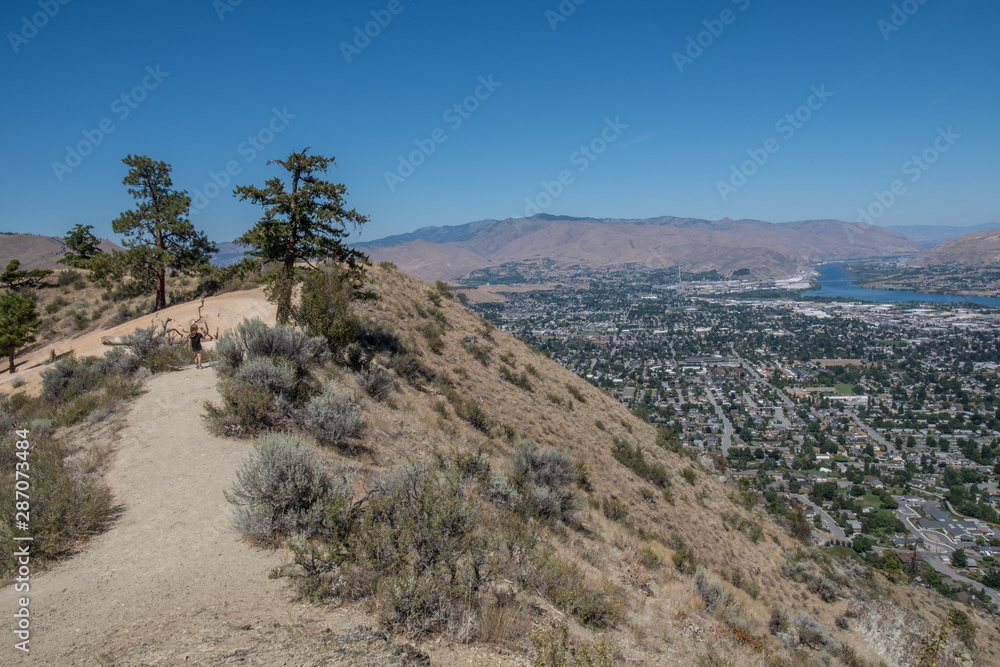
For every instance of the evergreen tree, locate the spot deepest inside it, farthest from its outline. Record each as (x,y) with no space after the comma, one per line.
(81,246)
(159,236)
(302,225)
(17,320)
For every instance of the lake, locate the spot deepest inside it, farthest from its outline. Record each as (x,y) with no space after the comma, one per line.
(835,281)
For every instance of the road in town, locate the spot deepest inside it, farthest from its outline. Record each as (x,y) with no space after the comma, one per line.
(837,532)
(871,432)
(727,428)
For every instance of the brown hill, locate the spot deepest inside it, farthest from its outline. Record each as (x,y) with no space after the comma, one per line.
(766,249)
(38,252)
(978,250)
(697,574)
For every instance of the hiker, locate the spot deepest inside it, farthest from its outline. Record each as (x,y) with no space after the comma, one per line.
(194,343)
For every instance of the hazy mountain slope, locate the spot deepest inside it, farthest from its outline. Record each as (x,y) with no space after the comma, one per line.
(767,249)
(932,235)
(979,249)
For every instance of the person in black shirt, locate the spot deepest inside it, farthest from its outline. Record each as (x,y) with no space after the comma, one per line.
(194,343)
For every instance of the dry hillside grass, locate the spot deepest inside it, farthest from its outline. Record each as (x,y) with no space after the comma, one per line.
(667,621)
(632,538)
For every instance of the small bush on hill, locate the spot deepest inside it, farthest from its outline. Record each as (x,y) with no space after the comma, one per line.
(331,417)
(543,479)
(376,383)
(276,488)
(635,460)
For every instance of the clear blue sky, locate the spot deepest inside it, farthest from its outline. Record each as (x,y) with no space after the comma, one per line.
(220,75)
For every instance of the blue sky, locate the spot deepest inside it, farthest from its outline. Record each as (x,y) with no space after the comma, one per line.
(638,108)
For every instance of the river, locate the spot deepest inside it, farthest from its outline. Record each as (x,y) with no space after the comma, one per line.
(835,281)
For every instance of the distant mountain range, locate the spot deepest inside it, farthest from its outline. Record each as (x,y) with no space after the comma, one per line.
(979,249)
(932,235)
(765,249)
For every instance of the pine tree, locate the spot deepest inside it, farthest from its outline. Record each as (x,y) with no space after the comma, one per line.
(17,320)
(159,236)
(81,246)
(305,224)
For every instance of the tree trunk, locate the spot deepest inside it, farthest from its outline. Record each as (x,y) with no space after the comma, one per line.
(161,289)
(285,295)
(12,369)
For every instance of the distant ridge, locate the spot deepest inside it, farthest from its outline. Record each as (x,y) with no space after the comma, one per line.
(38,252)
(978,250)
(932,235)
(766,249)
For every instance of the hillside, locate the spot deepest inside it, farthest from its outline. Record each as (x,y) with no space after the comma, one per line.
(976,250)
(694,572)
(933,235)
(38,252)
(767,249)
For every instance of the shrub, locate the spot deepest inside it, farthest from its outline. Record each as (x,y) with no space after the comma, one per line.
(614,509)
(253,339)
(67,504)
(479,352)
(432,333)
(689,475)
(119,361)
(564,584)
(575,393)
(410,368)
(331,417)
(276,488)
(376,383)
(544,478)
(710,589)
(779,623)
(811,632)
(634,459)
(260,395)
(517,379)
(685,560)
(415,539)
(68,277)
(474,414)
(143,342)
(67,379)
(325,307)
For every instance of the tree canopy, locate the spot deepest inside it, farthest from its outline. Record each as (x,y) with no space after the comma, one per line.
(82,246)
(17,321)
(303,224)
(159,237)
(14,278)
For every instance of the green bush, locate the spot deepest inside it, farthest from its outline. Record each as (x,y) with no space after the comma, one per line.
(143,342)
(325,307)
(67,502)
(635,460)
(260,395)
(409,367)
(376,383)
(710,589)
(331,417)
(474,414)
(69,378)
(564,584)
(253,339)
(517,379)
(543,479)
(276,488)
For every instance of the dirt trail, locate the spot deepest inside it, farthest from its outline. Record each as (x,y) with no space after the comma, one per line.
(171,583)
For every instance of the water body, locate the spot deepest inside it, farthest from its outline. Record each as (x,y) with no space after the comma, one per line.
(835,281)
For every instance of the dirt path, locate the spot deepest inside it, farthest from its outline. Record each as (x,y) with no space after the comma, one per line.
(171,583)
